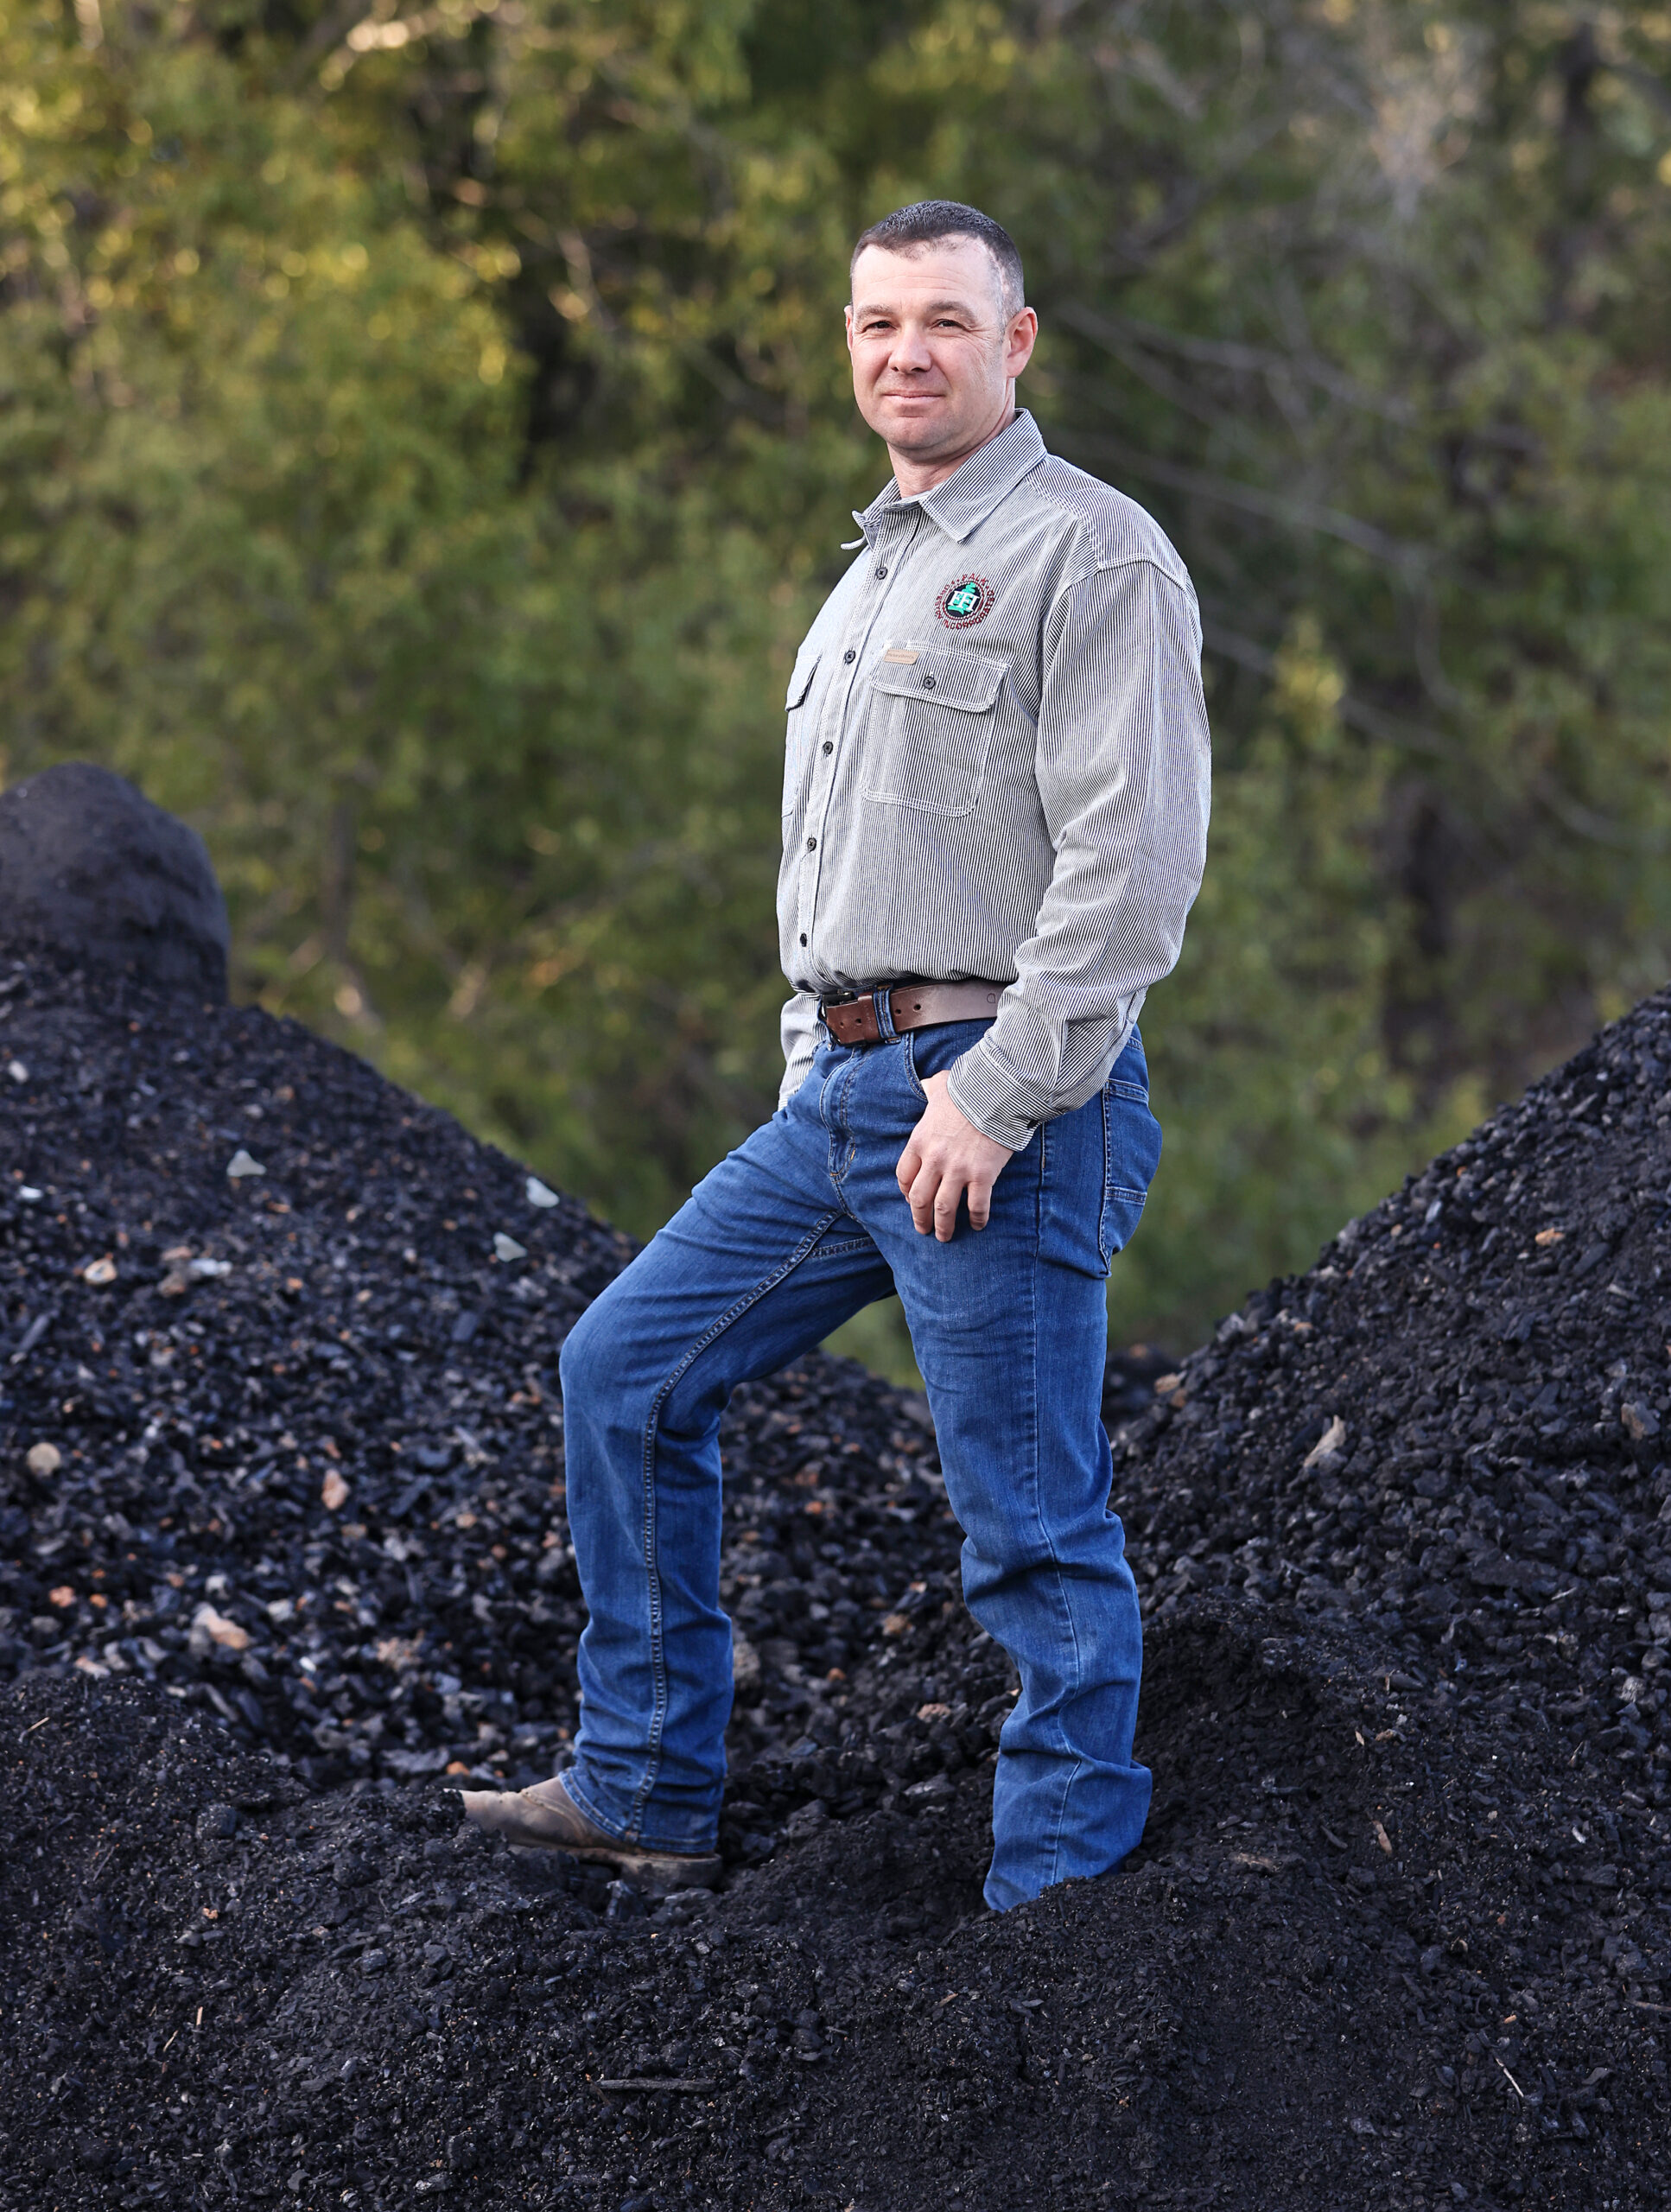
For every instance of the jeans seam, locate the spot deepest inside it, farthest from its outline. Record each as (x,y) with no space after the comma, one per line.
(1053,1837)
(1104,1226)
(652,1572)
(838,1174)
(831,1113)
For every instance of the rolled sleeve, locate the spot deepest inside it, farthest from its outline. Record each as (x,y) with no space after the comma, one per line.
(1123,766)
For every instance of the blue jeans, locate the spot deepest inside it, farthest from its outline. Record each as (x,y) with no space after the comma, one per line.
(789,1237)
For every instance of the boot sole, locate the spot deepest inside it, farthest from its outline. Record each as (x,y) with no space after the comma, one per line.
(656,1876)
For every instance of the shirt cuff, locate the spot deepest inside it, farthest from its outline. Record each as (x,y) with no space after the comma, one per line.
(993,1103)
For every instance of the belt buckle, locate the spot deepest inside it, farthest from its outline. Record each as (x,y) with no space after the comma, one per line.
(861,1013)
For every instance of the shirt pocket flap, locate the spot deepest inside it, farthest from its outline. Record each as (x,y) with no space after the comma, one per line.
(971,680)
(806,667)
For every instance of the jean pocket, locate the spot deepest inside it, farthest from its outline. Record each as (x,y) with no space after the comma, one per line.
(1131,1152)
(908,1041)
(938,1049)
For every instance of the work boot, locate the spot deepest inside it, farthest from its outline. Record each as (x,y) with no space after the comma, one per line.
(547,1818)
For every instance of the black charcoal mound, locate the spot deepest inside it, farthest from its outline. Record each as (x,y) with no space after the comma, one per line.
(92,873)
(283,1560)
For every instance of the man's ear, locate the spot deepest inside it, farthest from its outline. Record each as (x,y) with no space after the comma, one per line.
(1020,339)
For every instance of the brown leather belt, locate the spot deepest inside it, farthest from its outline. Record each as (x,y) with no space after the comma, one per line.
(912,1006)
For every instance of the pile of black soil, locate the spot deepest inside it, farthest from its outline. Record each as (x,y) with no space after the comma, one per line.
(285,1557)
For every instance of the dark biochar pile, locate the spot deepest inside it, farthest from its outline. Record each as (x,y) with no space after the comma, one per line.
(284,1558)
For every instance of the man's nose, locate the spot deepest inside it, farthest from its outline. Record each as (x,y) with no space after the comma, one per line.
(910,352)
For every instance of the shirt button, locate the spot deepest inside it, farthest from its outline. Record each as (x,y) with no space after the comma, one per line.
(849,654)
(880,572)
(802,937)
(829,746)
(928,684)
(812,844)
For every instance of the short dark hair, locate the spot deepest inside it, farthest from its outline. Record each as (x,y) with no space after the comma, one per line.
(925,222)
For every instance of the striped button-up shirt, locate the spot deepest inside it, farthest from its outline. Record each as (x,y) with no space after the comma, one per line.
(997,768)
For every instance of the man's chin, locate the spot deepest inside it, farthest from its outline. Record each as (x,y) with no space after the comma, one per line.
(921,433)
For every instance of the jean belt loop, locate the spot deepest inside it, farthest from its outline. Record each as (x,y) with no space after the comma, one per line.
(882,1000)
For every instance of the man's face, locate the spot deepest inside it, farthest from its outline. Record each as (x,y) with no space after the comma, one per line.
(934,357)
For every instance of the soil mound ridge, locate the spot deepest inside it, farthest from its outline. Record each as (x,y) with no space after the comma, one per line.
(89,870)
(283,1551)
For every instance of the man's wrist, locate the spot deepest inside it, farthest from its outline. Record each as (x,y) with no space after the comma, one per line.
(987,1103)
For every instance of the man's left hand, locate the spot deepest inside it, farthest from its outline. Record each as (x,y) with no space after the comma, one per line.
(946,1159)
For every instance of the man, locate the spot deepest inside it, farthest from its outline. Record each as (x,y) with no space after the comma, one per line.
(994,816)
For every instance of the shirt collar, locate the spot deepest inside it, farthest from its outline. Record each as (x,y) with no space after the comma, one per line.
(963,502)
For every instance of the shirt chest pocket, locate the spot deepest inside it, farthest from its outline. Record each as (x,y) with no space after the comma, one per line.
(799,708)
(929,734)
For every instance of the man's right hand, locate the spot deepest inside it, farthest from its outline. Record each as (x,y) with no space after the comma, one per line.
(946,1159)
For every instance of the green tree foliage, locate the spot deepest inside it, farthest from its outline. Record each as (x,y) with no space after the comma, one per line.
(424,436)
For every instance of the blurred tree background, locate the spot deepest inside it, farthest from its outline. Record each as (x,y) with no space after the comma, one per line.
(424,436)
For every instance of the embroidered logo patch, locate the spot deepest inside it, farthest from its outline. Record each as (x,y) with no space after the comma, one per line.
(964,603)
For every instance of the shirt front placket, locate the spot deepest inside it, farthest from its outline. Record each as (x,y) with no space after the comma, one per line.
(889,541)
